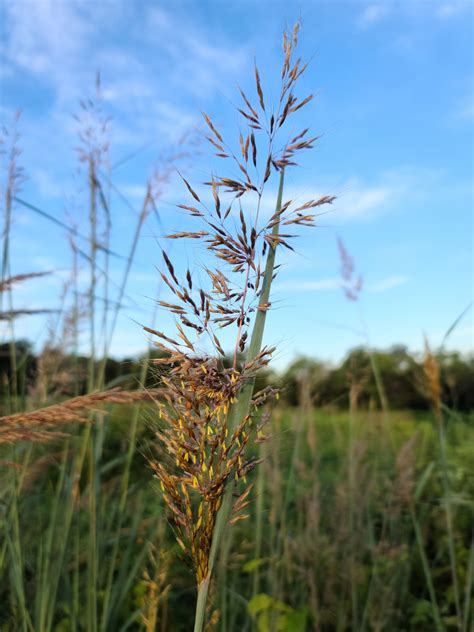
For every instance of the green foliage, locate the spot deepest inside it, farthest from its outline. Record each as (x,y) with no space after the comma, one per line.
(272,615)
(400,372)
(309,557)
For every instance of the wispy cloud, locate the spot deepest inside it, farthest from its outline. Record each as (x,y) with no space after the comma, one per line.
(375,12)
(388,283)
(45,183)
(47,40)
(372,14)
(449,10)
(359,200)
(200,60)
(335,283)
(331,283)
(152,91)
(464,110)
(362,200)
(356,198)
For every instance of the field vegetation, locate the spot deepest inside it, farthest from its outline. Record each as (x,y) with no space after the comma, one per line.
(186,488)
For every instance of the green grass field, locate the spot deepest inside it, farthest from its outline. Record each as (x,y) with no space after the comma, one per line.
(347,531)
(129,496)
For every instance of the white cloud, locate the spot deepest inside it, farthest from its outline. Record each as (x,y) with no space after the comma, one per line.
(387,283)
(134,192)
(336,283)
(46,185)
(356,199)
(159,19)
(200,61)
(47,39)
(377,11)
(63,44)
(448,10)
(390,191)
(359,200)
(331,283)
(372,14)
(467,112)
(464,109)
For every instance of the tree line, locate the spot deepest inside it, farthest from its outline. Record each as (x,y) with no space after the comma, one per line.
(53,373)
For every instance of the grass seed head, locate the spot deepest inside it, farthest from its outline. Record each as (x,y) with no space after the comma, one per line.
(204,447)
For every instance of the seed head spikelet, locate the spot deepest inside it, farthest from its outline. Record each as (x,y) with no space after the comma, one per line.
(210,411)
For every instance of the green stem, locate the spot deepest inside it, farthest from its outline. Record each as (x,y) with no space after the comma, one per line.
(449,517)
(427,572)
(468,587)
(93,279)
(203,590)
(260,491)
(240,410)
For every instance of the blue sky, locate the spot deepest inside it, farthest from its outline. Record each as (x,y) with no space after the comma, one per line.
(395,107)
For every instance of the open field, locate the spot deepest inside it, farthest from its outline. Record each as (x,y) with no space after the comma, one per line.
(347,530)
(160,469)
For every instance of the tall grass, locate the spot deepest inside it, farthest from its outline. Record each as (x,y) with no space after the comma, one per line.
(210,413)
(72,565)
(356,520)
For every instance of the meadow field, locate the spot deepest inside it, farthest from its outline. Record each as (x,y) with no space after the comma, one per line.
(347,530)
(195,486)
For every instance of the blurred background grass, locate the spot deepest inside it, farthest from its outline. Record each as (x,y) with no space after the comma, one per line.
(347,530)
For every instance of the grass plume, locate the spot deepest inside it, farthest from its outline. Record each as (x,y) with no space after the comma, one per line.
(211,410)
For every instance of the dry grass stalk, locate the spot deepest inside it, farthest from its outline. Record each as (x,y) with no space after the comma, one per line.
(157,587)
(432,384)
(6,284)
(54,375)
(14,177)
(15,313)
(35,425)
(351,284)
(405,467)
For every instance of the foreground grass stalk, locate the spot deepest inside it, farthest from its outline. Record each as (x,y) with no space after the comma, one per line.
(240,411)
(121,506)
(468,585)
(427,571)
(281,525)
(449,519)
(433,391)
(17,569)
(259,508)
(11,186)
(353,393)
(209,412)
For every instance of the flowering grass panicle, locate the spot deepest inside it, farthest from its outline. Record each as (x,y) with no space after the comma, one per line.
(41,425)
(210,408)
(205,453)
